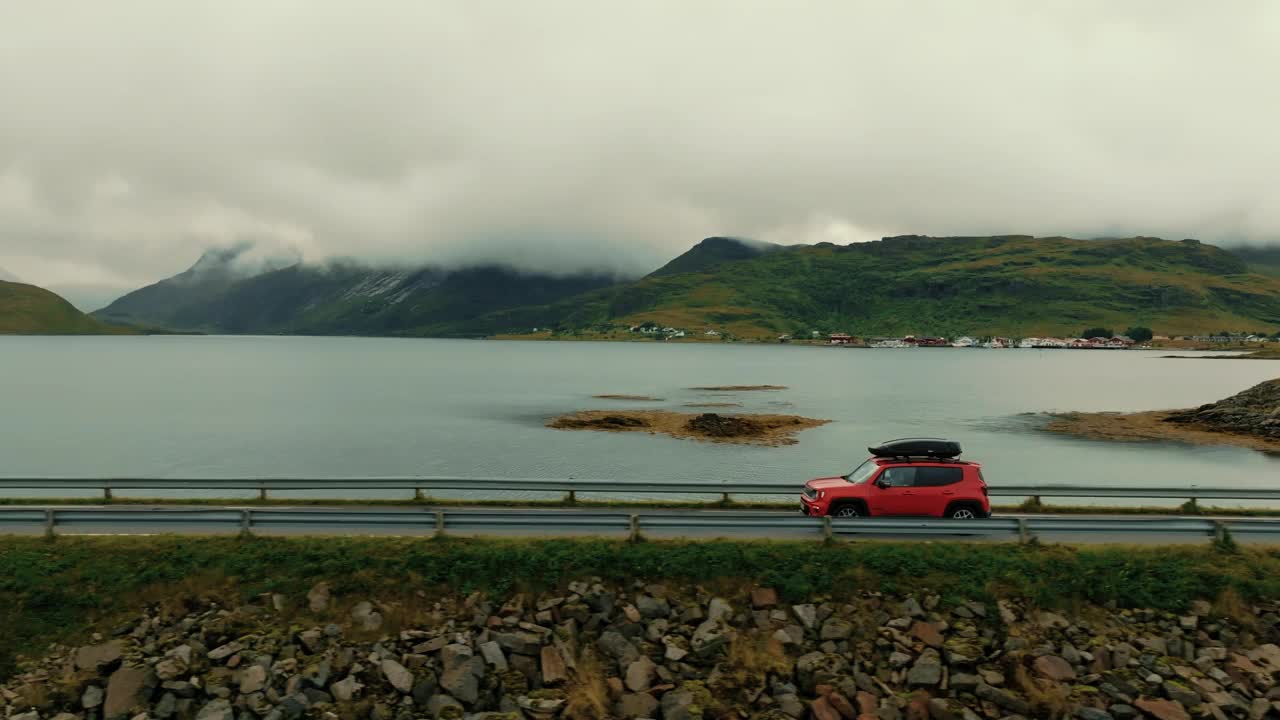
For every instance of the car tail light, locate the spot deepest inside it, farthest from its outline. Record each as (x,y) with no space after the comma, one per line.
(984,491)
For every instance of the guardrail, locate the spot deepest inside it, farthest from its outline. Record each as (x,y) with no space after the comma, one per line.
(571,487)
(706,523)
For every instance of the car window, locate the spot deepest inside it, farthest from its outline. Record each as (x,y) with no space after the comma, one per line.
(863,472)
(938,476)
(899,476)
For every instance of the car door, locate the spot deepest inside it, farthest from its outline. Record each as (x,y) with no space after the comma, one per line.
(935,488)
(894,492)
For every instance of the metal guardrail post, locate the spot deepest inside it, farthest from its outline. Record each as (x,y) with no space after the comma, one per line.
(439,523)
(1219,531)
(48,522)
(572,497)
(106,491)
(826,528)
(417,494)
(246,522)
(262,493)
(1024,533)
(724,498)
(634,524)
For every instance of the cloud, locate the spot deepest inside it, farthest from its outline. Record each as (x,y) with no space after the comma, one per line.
(570,134)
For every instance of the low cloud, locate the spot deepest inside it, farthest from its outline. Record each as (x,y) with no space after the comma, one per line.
(573,134)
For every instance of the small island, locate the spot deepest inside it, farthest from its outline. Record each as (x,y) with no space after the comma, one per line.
(767,430)
(1248,419)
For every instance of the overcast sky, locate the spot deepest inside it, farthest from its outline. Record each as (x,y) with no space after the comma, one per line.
(564,134)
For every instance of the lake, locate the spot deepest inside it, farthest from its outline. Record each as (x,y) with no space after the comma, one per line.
(263,406)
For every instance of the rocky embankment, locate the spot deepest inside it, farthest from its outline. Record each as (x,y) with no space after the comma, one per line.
(1249,419)
(1255,411)
(649,652)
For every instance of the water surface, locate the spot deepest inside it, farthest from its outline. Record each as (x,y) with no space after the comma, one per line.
(263,406)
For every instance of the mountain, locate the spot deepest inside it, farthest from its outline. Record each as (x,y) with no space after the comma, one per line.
(338,299)
(1260,259)
(1009,285)
(29,310)
(6,276)
(715,251)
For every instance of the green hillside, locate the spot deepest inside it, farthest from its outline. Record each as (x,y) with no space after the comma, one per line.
(1008,285)
(30,310)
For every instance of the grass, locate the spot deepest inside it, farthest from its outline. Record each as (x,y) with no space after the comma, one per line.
(53,590)
(1028,506)
(30,310)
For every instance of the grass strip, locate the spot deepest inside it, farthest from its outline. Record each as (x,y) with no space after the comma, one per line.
(53,590)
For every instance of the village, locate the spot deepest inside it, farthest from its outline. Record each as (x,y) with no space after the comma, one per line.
(1092,342)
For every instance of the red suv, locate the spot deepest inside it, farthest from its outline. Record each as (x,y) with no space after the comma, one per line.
(933,483)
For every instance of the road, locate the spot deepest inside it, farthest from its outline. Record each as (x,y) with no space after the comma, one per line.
(424,521)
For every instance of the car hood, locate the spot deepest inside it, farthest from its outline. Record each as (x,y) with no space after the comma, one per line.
(827,482)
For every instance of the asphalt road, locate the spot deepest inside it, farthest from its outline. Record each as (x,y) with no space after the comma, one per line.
(662,524)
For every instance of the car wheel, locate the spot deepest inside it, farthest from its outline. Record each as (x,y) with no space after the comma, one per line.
(846,511)
(964,512)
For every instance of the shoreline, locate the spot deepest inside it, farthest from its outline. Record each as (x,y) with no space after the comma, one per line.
(1149,426)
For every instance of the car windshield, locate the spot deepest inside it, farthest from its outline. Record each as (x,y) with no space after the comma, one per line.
(863,472)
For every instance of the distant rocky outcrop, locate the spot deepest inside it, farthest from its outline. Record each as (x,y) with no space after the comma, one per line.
(591,652)
(1255,412)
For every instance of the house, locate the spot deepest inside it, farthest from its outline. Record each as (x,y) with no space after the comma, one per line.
(784,338)
(840,339)
(712,333)
(964,341)
(1029,342)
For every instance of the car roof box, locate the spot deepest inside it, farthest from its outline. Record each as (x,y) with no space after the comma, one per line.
(917,447)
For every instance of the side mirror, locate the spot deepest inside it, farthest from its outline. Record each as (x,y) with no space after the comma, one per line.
(882,484)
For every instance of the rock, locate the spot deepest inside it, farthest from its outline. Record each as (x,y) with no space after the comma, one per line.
(253,679)
(443,706)
(365,617)
(396,674)
(463,681)
(790,705)
(807,615)
(492,653)
(911,608)
(524,643)
(554,671)
(1088,713)
(346,689)
(927,672)
(318,597)
(1181,693)
(92,697)
(927,633)
(719,610)
(126,692)
(96,657)
(640,675)
(1054,668)
(1003,699)
(223,652)
(218,709)
(763,598)
(637,705)
(32,715)
(836,629)
(817,668)
(614,645)
(652,608)
(822,710)
(964,682)
(710,636)
(1161,709)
